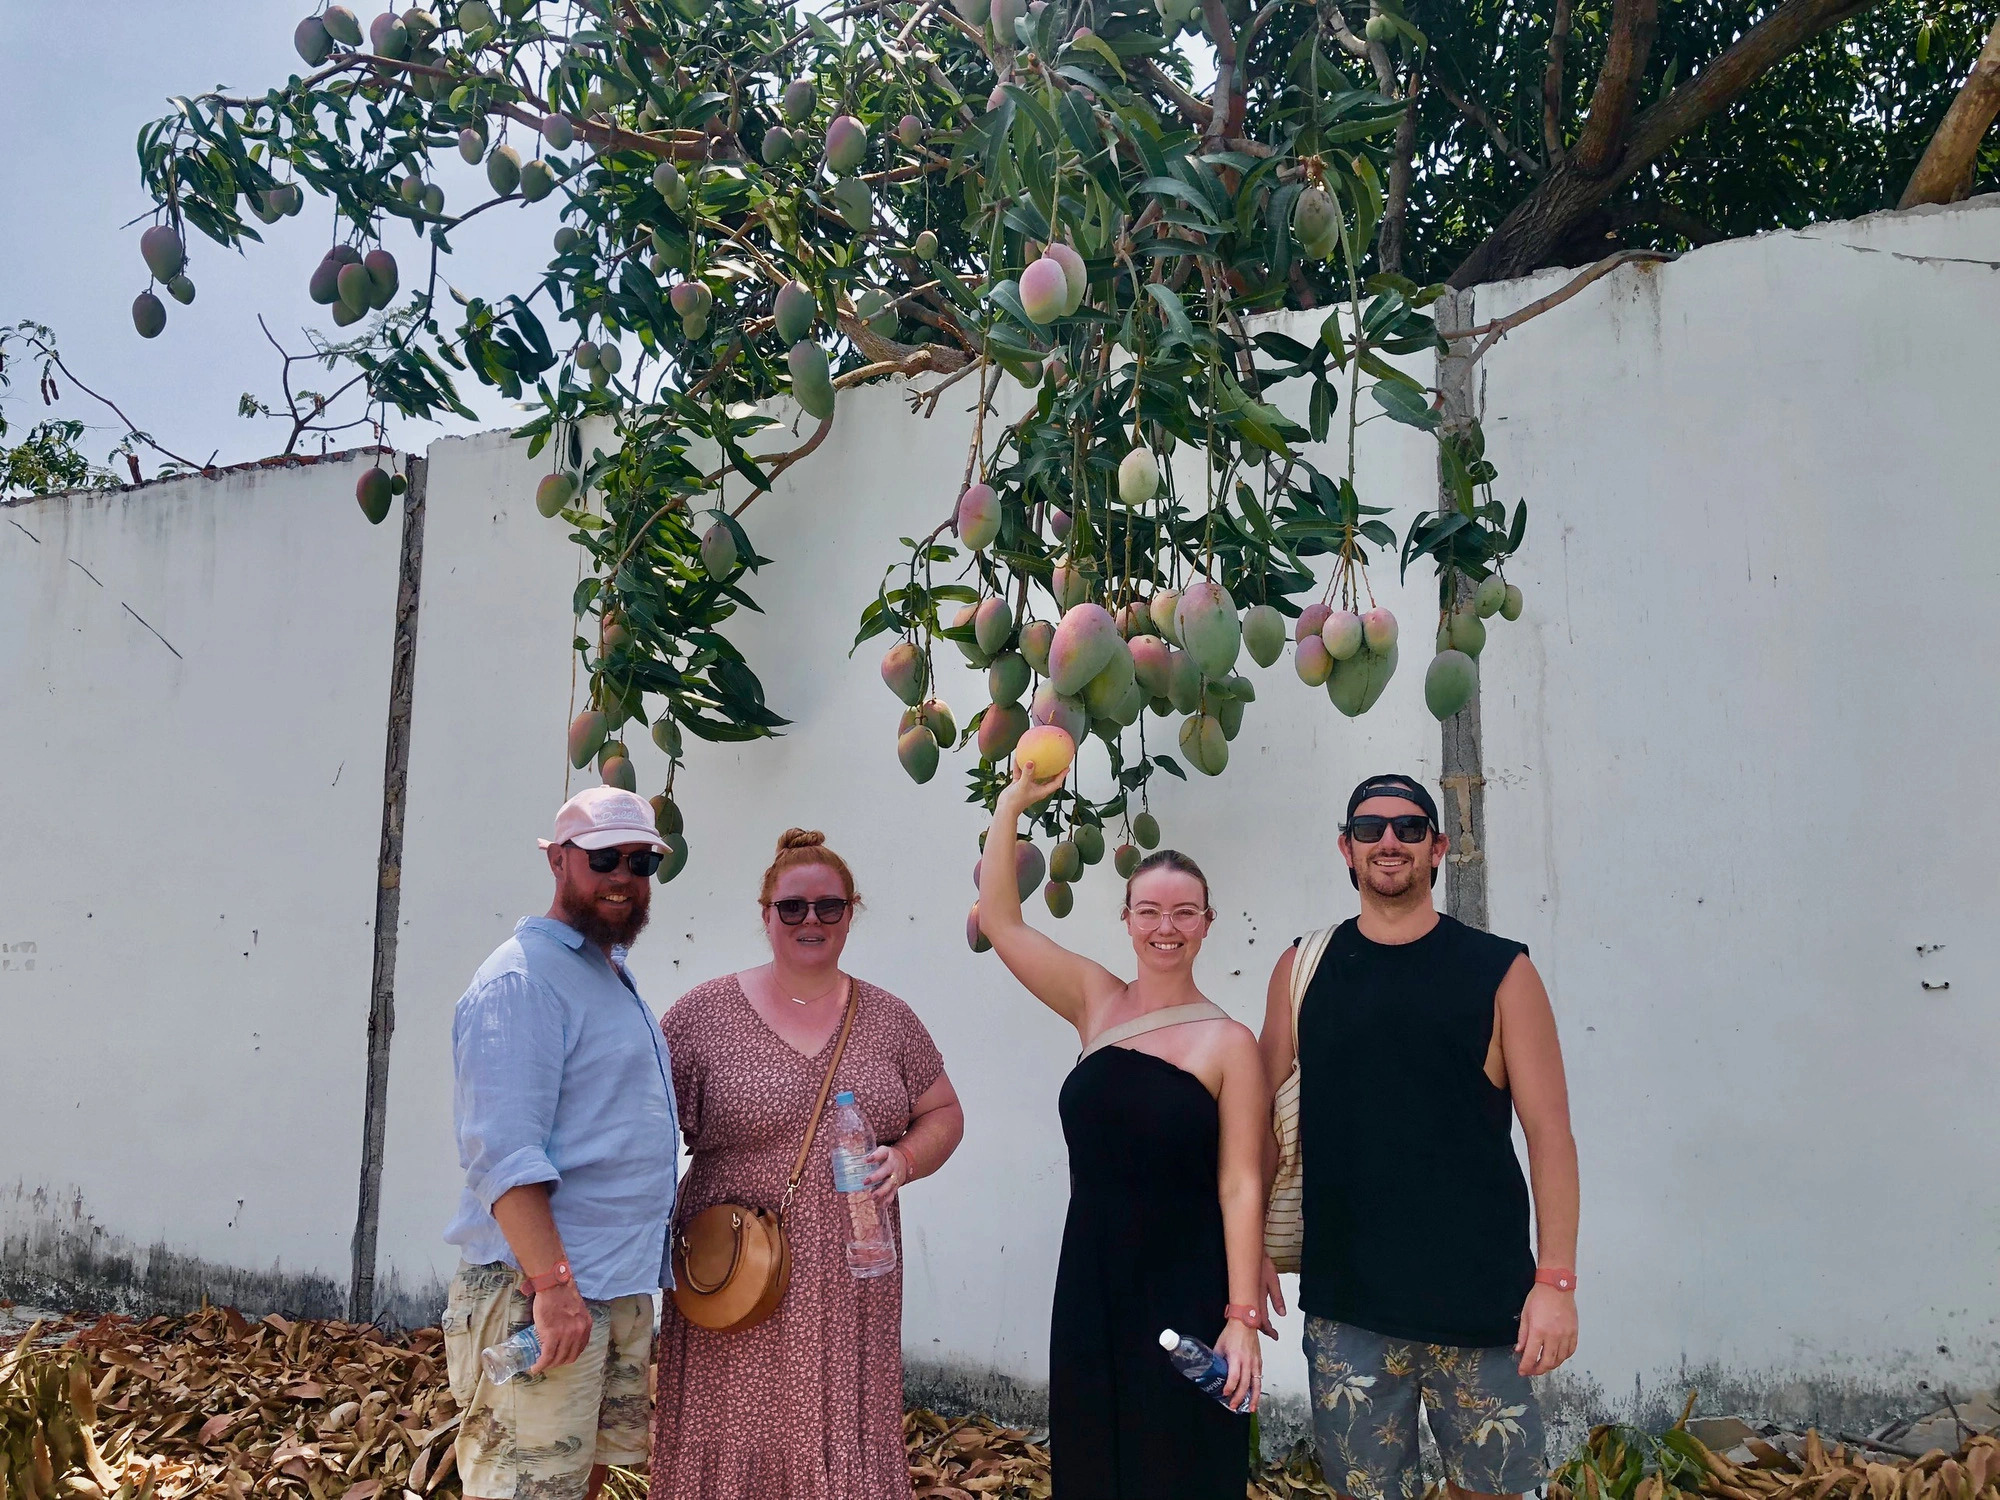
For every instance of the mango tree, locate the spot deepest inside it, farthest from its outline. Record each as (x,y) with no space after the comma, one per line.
(749,202)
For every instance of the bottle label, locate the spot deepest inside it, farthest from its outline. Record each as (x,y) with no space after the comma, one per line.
(850,1171)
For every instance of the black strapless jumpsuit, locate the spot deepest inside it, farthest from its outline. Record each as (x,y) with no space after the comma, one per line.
(1142,1251)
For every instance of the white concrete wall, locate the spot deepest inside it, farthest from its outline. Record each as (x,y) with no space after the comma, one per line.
(190,828)
(1736,758)
(1739,754)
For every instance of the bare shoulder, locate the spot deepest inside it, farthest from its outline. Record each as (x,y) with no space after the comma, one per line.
(1234,1045)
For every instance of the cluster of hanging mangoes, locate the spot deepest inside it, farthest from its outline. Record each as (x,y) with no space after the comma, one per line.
(757,201)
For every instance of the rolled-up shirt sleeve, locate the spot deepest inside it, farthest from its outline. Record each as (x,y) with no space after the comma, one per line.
(508,1044)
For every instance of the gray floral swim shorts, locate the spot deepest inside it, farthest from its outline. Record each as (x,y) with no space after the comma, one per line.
(1365,1392)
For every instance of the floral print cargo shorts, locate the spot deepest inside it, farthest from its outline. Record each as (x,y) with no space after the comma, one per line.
(1365,1393)
(537,1436)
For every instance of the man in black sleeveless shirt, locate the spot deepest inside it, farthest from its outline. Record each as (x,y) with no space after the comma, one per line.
(1420,1040)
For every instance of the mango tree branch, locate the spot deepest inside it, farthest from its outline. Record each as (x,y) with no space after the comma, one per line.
(1945,173)
(1477,114)
(1535,225)
(1552,85)
(1491,333)
(1631,39)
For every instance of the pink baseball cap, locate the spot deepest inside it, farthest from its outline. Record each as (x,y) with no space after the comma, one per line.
(603,816)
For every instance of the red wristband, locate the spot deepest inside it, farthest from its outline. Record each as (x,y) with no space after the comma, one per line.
(1245,1315)
(549,1279)
(1562,1278)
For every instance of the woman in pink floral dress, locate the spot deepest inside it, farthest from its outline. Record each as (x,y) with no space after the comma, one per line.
(807,1405)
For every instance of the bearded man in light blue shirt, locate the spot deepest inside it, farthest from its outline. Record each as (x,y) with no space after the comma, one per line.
(564,1104)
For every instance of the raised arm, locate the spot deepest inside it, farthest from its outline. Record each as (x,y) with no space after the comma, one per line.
(1532,1057)
(1063,981)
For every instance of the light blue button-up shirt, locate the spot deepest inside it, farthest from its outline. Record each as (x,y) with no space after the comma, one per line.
(561,1075)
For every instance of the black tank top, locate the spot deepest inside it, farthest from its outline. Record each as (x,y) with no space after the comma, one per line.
(1416,1212)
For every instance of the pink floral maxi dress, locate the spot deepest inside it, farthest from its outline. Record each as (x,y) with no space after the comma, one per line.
(808,1405)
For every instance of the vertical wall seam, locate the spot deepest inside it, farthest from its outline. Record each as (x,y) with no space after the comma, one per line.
(1463,775)
(388,897)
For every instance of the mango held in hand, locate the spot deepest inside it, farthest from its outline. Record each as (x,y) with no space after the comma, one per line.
(1449,683)
(1044,290)
(1138,477)
(373,491)
(1084,644)
(1047,751)
(978,517)
(906,671)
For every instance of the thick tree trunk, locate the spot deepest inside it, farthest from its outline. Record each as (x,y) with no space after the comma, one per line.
(1945,173)
(1522,241)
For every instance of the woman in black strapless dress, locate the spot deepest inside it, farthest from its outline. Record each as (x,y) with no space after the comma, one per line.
(1166,1115)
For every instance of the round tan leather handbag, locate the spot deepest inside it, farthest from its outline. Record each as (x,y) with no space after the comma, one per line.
(732,1263)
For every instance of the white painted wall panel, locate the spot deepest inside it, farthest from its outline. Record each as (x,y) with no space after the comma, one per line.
(190,833)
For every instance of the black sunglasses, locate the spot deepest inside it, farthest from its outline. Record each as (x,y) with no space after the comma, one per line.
(604,861)
(792,910)
(1367,828)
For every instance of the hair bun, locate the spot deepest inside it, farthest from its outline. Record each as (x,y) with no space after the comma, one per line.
(800,838)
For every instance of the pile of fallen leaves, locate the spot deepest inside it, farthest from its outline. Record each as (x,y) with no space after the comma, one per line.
(1627,1463)
(215,1405)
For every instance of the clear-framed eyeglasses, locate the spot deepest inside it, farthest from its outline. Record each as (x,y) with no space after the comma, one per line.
(1186,918)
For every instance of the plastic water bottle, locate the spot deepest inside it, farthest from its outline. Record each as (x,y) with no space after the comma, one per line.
(870,1250)
(516,1356)
(1200,1364)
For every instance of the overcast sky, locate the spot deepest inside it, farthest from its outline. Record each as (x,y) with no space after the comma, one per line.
(78,78)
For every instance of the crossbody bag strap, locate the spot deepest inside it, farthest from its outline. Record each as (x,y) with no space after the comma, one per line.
(819,1104)
(1312,948)
(1159,1020)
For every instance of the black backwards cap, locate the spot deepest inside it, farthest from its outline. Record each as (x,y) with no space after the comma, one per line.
(1392,784)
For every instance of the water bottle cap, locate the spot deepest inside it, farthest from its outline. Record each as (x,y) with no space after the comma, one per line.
(1169,1340)
(845,1096)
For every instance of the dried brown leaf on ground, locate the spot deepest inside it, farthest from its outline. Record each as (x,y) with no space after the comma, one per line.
(216,1405)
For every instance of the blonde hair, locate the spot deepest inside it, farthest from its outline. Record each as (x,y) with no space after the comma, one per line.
(805,846)
(1168,859)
